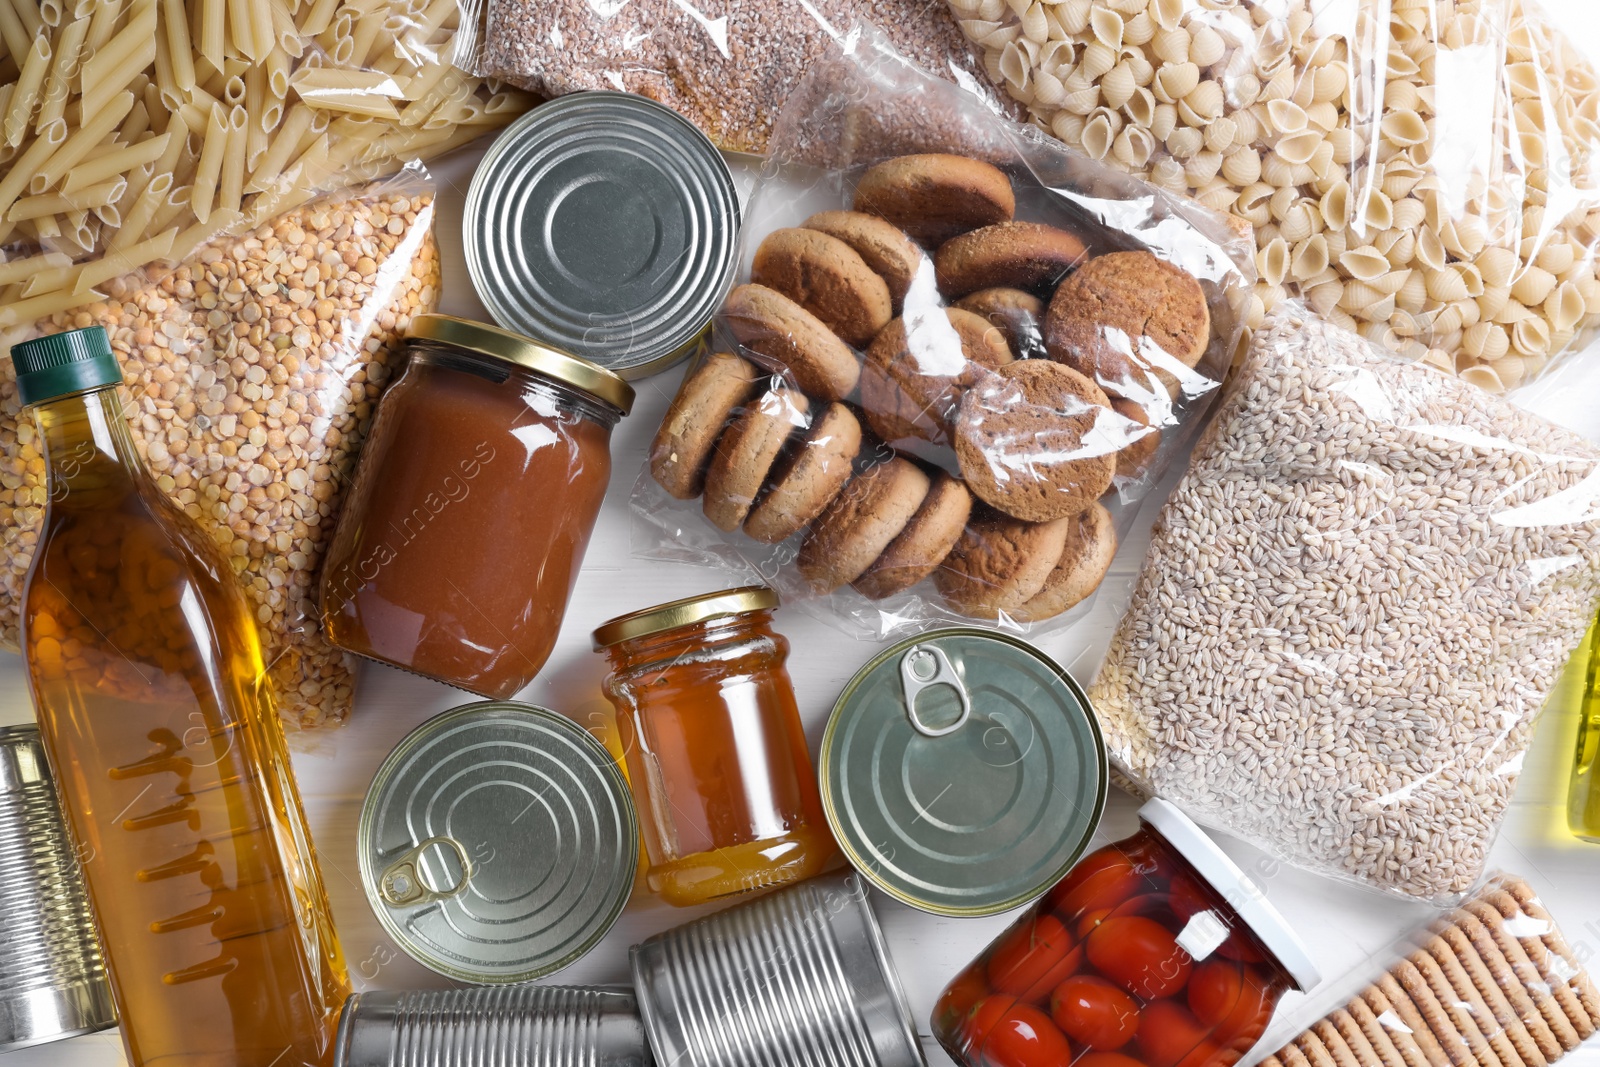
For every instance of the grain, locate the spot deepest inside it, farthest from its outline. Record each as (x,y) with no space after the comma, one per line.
(252,373)
(1354,604)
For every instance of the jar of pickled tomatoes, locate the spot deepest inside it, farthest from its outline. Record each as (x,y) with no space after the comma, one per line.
(1155,951)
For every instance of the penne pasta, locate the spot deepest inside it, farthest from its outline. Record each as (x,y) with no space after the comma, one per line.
(15,179)
(25,94)
(230,180)
(176,34)
(369,93)
(208,168)
(119,60)
(13,33)
(141,211)
(261,31)
(17,312)
(119,262)
(78,145)
(213,16)
(36,207)
(255,102)
(102,164)
(317,17)
(284,145)
(63,68)
(21,269)
(241,29)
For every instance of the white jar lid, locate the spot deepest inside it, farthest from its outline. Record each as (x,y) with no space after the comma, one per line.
(1241,894)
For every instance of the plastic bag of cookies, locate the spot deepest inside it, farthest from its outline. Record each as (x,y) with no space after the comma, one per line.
(945,382)
(1492,984)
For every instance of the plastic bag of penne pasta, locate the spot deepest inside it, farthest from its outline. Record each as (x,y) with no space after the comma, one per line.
(1423,171)
(1492,982)
(134,131)
(252,370)
(950,374)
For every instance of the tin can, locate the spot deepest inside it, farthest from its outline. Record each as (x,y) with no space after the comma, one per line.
(604,223)
(52,979)
(963,772)
(498,842)
(800,977)
(508,1026)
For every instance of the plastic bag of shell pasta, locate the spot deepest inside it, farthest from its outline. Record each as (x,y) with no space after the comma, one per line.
(947,378)
(1423,171)
(1355,603)
(251,373)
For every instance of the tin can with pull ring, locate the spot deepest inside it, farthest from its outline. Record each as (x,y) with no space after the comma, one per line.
(498,843)
(963,772)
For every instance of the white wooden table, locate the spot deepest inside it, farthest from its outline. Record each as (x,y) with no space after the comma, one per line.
(1344,926)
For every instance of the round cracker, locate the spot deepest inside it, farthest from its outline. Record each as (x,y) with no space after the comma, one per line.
(826,277)
(1117,313)
(1018,314)
(859,524)
(1091,545)
(770,324)
(746,452)
(695,419)
(1027,441)
(883,246)
(1015,255)
(999,563)
(808,477)
(918,368)
(924,543)
(934,196)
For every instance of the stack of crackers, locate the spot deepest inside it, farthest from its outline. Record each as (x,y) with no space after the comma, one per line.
(1494,985)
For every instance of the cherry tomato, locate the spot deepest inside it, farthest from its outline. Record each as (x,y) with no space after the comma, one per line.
(983,1018)
(1089,920)
(1020,1035)
(959,998)
(1240,946)
(1169,1034)
(1188,898)
(1107,1059)
(1102,881)
(1033,958)
(1140,955)
(1094,1012)
(1228,996)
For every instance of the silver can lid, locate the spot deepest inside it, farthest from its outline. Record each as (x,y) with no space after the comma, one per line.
(604,223)
(498,842)
(963,772)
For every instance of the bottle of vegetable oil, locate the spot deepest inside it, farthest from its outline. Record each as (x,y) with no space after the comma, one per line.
(1583,795)
(146,668)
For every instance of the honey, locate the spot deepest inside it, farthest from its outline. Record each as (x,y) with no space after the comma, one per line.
(146,668)
(715,753)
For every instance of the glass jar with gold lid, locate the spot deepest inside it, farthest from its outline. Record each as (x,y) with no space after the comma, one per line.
(712,741)
(477,491)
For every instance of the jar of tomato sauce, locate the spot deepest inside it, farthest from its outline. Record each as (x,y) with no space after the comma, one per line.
(713,746)
(1155,951)
(472,506)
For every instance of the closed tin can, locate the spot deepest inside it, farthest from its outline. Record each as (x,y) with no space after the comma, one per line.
(508,1026)
(963,772)
(498,842)
(52,979)
(605,224)
(800,977)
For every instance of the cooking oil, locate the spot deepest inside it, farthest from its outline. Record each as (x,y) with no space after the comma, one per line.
(146,668)
(1583,794)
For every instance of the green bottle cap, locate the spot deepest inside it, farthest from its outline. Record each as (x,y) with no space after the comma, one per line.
(60,364)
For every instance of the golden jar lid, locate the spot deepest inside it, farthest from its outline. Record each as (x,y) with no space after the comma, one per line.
(685,612)
(507,347)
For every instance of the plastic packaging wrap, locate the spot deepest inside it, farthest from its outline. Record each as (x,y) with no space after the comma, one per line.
(134,131)
(1421,170)
(1491,983)
(252,372)
(726,65)
(865,418)
(1354,604)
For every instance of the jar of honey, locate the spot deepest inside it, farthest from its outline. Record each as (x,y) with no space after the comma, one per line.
(715,754)
(477,491)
